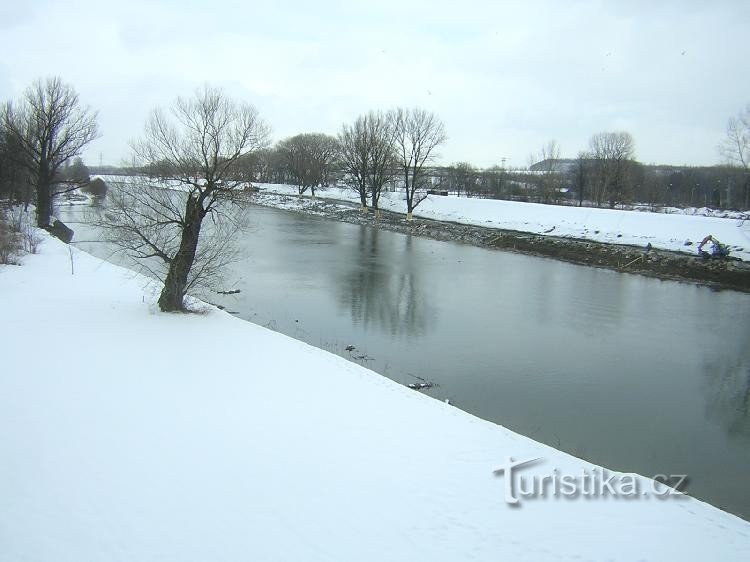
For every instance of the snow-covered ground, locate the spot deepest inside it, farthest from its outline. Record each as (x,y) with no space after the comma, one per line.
(680,232)
(129,434)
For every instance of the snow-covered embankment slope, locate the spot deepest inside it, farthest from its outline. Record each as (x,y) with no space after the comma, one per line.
(128,434)
(613,226)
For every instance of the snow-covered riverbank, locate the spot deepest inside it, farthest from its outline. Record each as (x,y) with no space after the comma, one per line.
(129,434)
(677,232)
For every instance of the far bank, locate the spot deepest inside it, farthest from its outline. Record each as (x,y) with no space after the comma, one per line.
(722,274)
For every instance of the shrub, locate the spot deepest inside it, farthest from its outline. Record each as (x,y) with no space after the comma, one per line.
(95,187)
(10,242)
(18,236)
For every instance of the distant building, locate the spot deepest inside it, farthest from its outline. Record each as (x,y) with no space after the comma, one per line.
(561,165)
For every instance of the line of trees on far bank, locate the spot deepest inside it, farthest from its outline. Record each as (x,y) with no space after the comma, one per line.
(398,149)
(377,149)
(43,133)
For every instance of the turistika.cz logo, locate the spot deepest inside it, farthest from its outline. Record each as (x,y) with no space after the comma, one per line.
(594,482)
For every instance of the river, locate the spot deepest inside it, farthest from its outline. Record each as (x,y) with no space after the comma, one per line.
(633,373)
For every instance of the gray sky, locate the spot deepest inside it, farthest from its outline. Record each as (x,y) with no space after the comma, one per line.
(505,77)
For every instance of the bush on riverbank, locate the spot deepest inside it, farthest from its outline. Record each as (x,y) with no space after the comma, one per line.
(17,236)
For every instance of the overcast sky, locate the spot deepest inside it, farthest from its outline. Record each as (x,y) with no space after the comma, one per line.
(505,77)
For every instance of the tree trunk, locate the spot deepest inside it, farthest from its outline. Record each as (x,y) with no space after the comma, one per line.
(43,198)
(173,295)
(409,216)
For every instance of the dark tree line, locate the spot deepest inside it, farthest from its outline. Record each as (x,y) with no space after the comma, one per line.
(47,127)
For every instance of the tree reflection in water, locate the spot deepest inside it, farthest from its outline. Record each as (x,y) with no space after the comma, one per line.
(386,295)
(727,391)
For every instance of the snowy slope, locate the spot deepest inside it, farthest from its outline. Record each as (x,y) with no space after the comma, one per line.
(667,231)
(136,435)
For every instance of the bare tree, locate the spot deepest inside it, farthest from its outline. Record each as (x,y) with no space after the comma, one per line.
(355,156)
(417,134)
(50,126)
(611,153)
(310,158)
(15,181)
(462,176)
(736,147)
(380,132)
(549,168)
(367,155)
(190,154)
(580,175)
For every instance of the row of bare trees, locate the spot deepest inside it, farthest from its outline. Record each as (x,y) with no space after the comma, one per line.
(376,149)
(382,146)
(367,155)
(607,174)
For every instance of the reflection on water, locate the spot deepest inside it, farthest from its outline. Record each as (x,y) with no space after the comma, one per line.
(727,391)
(633,373)
(380,295)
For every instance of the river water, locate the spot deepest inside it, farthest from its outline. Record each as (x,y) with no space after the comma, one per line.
(632,373)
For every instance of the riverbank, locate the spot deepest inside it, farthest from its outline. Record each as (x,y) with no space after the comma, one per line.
(148,436)
(732,274)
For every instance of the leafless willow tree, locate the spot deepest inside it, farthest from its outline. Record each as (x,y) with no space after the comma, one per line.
(417,134)
(611,154)
(736,147)
(190,154)
(50,126)
(310,158)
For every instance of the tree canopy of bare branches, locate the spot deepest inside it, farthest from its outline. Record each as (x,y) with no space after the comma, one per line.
(15,180)
(355,156)
(462,176)
(612,154)
(50,126)
(736,147)
(417,135)
(310,158)
(549,178)
(380,131)
(580,175)
(368,156)
(190,154)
